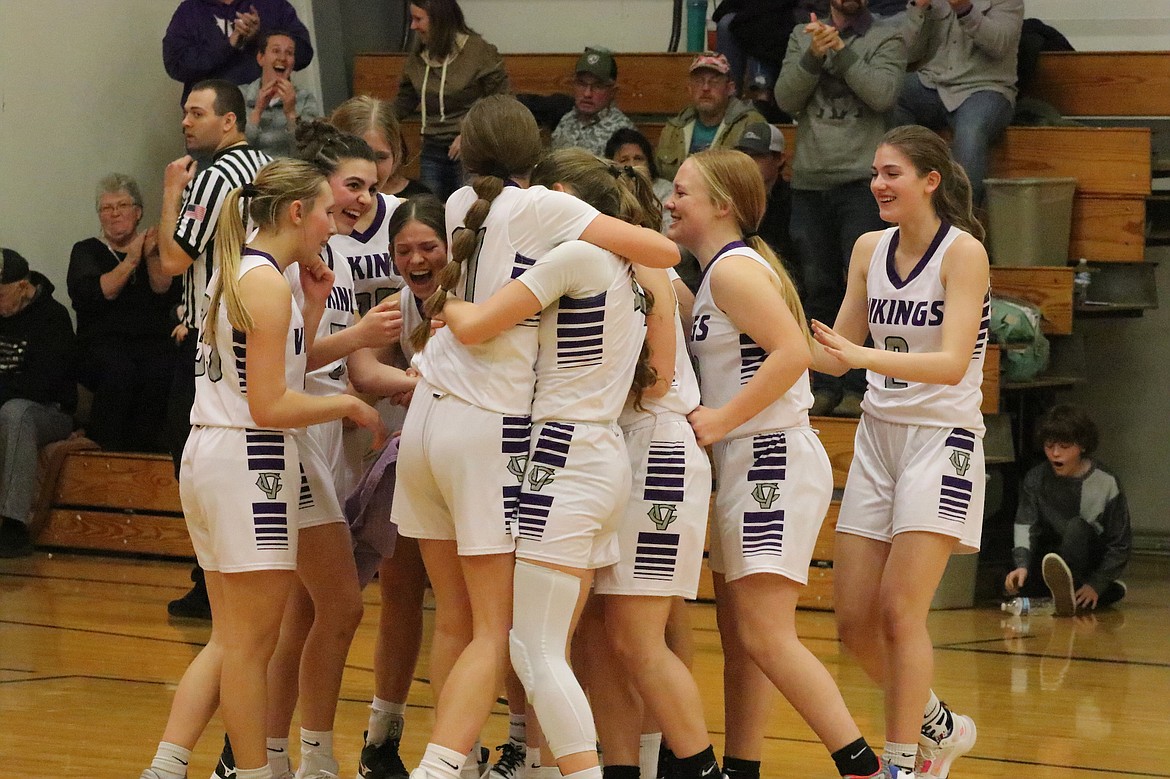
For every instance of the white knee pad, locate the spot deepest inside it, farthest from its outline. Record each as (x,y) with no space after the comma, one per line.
(542,613)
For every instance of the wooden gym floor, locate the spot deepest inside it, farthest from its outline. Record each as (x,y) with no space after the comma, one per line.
(88,664)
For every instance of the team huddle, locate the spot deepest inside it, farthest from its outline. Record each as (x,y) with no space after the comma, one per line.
(560,385)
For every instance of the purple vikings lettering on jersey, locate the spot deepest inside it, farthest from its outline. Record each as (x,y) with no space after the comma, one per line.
(918,313)
(907,315)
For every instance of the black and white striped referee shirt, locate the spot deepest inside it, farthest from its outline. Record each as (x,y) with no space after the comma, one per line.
(230,169)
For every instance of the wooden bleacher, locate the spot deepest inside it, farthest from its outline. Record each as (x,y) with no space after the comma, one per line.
(113,502)
(1112,165)
(129,503)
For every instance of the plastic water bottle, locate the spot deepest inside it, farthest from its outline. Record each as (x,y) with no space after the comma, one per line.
(1081,281)
(1026,607)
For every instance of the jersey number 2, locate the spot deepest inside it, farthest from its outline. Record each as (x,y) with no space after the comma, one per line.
(896,343)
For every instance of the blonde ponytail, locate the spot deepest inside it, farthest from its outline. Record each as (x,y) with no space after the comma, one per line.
(277,186)
(733,179)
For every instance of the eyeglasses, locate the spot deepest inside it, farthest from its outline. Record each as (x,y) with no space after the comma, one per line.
(110,209)
(591,86)
(713,80)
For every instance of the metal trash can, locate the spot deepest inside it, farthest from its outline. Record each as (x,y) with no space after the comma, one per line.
(1029,220)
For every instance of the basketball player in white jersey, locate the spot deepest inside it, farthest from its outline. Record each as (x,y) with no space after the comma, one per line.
(590,334)
(662,528)
(915,489)
(465,439)
(324,608)
(241,480)
(418,244)
(402,578)
(775,482)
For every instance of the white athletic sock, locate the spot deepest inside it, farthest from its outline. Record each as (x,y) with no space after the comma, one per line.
(588,773)
(441,762)
(265,772)
(171,760)
(316,752)
(648,746)
(387,720)
(278,756)
(901,755)
(936,720)
(517,729)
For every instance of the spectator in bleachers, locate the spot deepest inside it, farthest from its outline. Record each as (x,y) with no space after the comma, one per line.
(715,117)
(123,300)
(38,392)
(274,103)
(219,39)
(751,34)
(841,76)
(449,68)
(628,146)
(373,121)
(966,53)
(764,143)
(594,117)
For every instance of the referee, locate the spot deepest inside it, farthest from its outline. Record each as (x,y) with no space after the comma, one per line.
(214,118)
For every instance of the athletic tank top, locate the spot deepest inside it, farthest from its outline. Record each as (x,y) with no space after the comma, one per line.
(412,317)
(522,226)
(683,395)
(728,358)
(906,315)
(591,333)
(331,379)
(221,380)
(368,255)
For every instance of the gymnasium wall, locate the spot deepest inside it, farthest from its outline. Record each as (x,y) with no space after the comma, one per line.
(83,93)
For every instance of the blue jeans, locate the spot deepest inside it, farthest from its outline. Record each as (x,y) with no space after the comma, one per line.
(824,226)
(745,71)
(25,427)
(439,172)
(978,122)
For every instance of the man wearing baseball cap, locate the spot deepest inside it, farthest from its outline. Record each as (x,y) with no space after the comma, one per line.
(764,143)
(840,77)
(38,391)
(594,117)
(715,118)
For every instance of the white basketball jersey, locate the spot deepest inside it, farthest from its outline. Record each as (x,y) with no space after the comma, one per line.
(331,379)
(683,395)
(906,315)
(371,263)
(591,333)
(412,317)
(728,359)
(522,226)
(221,380)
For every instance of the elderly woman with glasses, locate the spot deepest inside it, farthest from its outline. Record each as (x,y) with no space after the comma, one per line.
(124,304)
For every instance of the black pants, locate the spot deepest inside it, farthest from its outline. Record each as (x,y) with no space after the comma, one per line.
(130,380)
(1081,548)
(181,398)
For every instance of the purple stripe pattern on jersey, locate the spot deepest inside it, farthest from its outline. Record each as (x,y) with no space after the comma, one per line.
(665,472)
(656,556)
(265,450)
(580,330)
(751,357)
